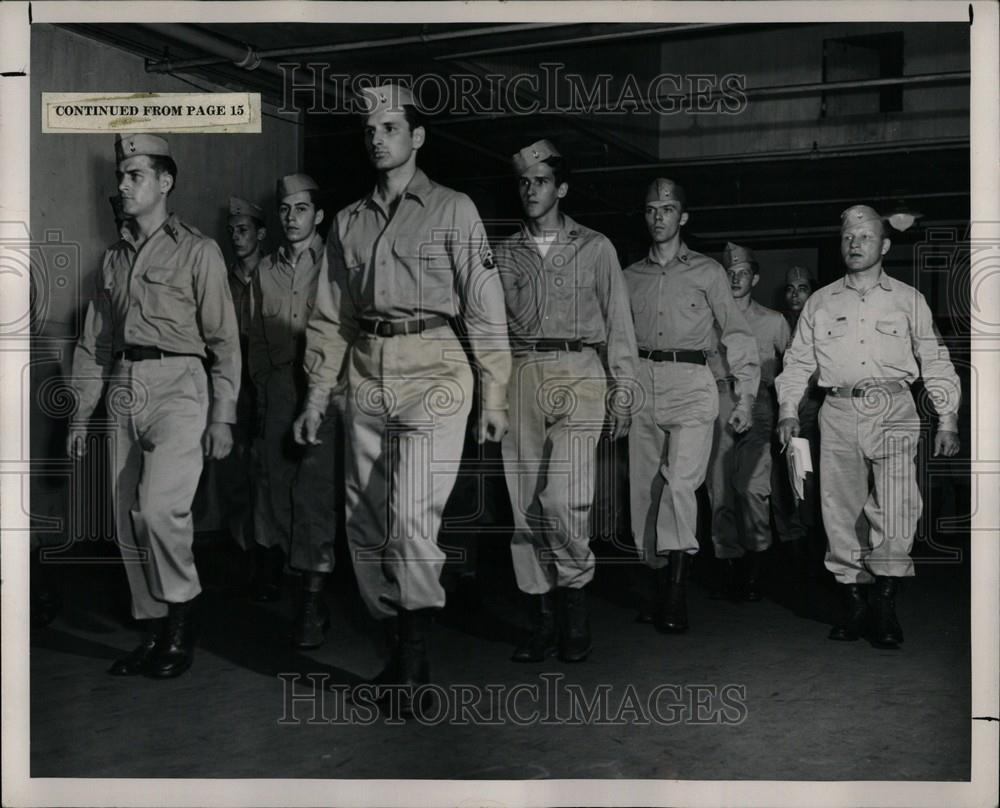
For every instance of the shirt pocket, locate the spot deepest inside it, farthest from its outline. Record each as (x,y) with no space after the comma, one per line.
(894,341)
(830,330)
(428,279)
(168,294)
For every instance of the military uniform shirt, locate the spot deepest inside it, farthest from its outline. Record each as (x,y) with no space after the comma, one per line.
(430,258)
(241,288)
(169,293)
(676,308)
(880,335)
(576,292)
(285,292)
(770,330)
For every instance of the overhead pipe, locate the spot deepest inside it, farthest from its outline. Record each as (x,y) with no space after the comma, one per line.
(170,65)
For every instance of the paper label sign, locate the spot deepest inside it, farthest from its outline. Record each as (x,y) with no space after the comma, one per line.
(203,113)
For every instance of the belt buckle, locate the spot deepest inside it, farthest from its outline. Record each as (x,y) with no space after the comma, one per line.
(383,328)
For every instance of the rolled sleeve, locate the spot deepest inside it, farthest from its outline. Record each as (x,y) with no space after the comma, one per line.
(219,329)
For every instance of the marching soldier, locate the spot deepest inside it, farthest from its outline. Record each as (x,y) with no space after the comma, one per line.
(296,502)
(161,305)
(869,335)
(682,308)
(566,303)
(404,261)
(798,524)
(740,479)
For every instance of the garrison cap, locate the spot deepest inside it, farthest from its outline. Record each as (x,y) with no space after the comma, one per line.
(662,190)
(858,214)
(240,207)
(534,154)
(133,144)
(734,256)
(796,274)
(294,183)
(387,96)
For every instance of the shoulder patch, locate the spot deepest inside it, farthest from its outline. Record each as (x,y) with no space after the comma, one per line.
(486,256)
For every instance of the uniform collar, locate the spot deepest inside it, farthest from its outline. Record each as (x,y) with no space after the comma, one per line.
(419,189)
(884,281)
(315,249)
(683,255)
(568,231)
(171,227)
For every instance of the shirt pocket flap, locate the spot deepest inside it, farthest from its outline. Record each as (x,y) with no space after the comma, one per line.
(892,327)
(694,301)
(428,251)
(167,276)
(831,329)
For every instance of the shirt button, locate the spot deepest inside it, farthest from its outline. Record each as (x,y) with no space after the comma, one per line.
(661,334)
(862,342)
(862,319)
(864,363)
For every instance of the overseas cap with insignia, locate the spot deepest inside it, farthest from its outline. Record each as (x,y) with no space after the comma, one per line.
(388,96)
(858,214)
(661,191)
(533,155)
(240,207)
(735,256)
(294,183)
(798,274)
(133,144)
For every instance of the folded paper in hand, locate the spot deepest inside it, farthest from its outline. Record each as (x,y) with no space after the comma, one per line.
(799,462)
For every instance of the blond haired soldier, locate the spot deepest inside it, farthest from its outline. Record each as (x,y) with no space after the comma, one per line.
(682,309)
(404,260)
(566,304)
(161,306)
(870,336)
(739,482)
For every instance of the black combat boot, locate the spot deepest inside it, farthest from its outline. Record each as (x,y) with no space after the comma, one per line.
(414,669)
(854,623)
(886,631)
(753,562)
(574,628)
(137,661)
(541,641)
(313,618)
(672,617)
(175,651)
(268,573)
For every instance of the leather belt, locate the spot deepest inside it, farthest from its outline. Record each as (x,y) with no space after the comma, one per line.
(140,353)
(861,390)
(692,357)
(395,328)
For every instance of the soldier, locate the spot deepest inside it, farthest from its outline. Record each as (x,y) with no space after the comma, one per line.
(161,306)
(869,335)
(233,476)
(682,308)
(740,481)
(798,524)
(404,261)
(566,305)
(296,503)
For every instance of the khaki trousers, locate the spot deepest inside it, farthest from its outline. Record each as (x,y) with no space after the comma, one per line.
(557,409)
(868,485)
(160,408)
(405,417)
(669,445)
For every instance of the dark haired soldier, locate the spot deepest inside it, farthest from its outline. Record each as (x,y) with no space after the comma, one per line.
(682,307)
(870,336)
(566,304)
(296,503)
(161,306)
(404,260)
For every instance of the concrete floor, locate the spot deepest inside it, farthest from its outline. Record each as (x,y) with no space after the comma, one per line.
(814,709)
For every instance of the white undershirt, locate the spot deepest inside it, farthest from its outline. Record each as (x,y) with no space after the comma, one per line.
(544,241)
